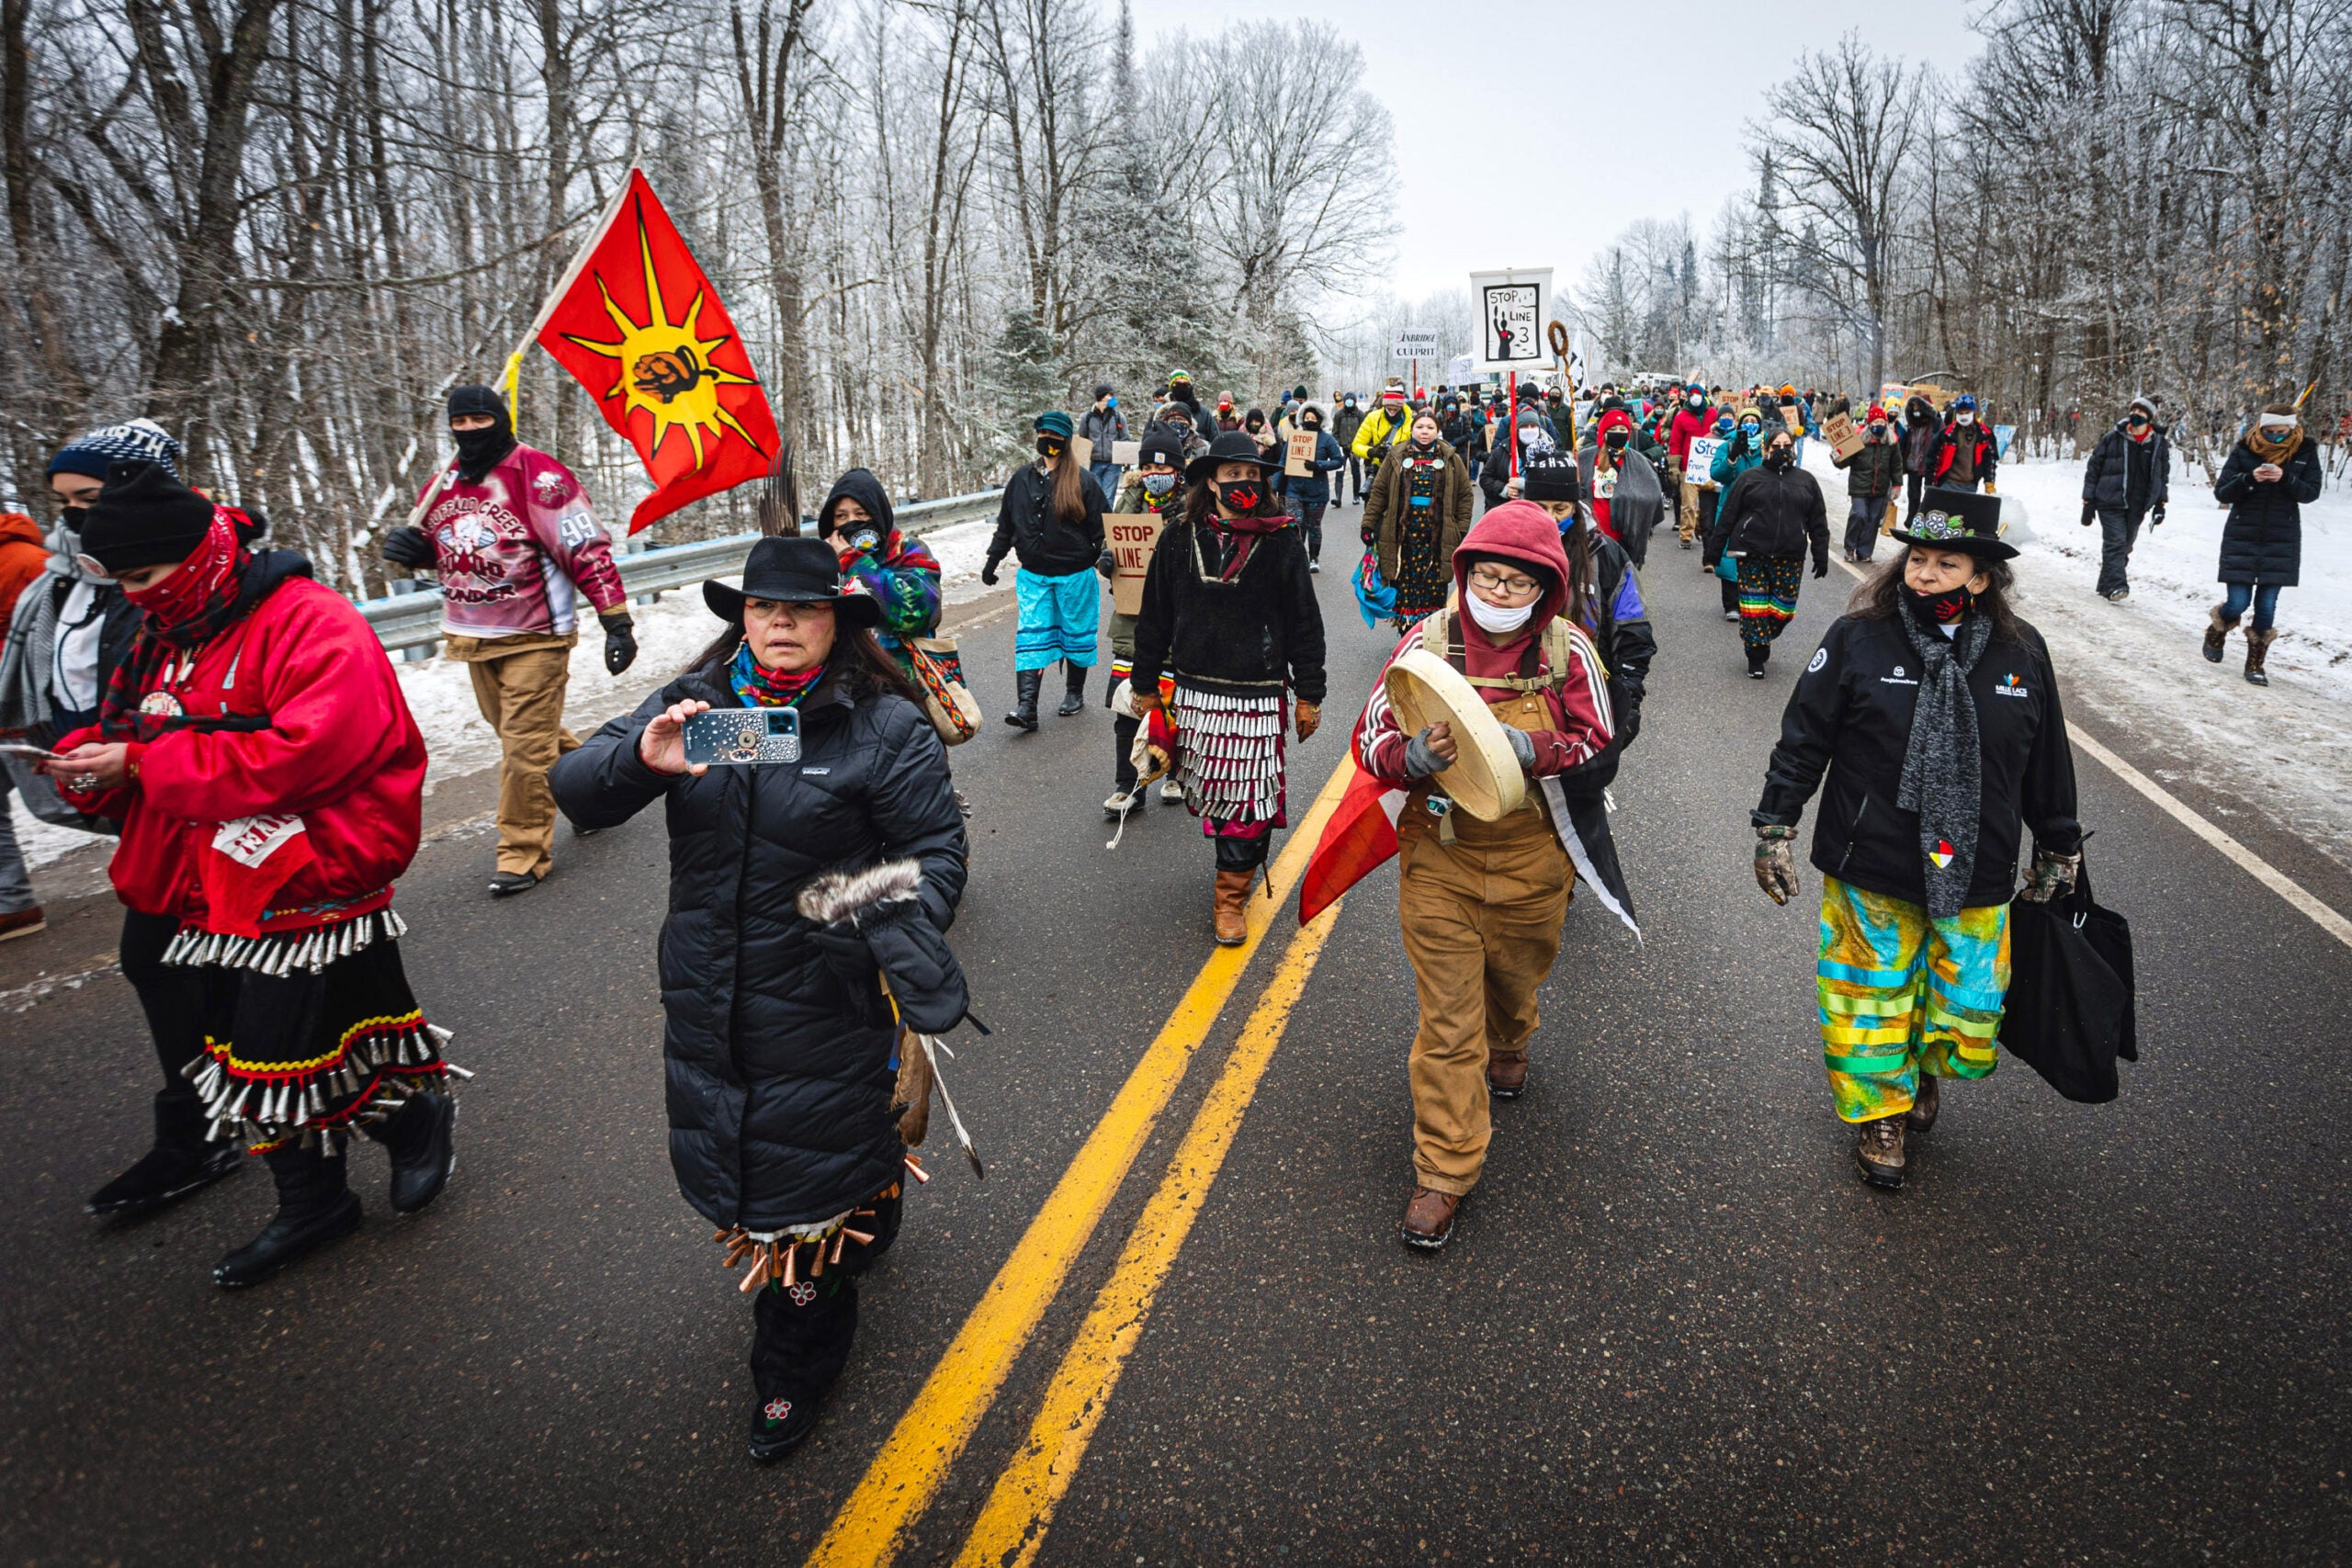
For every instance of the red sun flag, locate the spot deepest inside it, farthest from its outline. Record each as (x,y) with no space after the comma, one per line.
(637,323)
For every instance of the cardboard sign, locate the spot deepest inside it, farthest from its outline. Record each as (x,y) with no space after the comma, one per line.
(1792,416)
(1843,438)
(1132,536)
(1126,454)
(1701,461)
(1300,464)
(1082,448)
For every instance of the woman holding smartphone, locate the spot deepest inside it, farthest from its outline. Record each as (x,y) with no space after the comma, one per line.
(781,1040)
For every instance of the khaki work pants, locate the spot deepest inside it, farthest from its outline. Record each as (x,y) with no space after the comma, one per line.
(1482,926)
(1687,517)
(520,692)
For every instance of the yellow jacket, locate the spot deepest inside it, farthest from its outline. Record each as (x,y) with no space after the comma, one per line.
(1380,431)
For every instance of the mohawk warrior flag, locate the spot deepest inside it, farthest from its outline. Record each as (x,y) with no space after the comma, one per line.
(637,323)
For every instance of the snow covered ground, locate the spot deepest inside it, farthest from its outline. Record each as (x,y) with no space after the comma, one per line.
(2135,667)
(440,691)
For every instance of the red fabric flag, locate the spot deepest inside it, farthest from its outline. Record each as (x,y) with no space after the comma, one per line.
(637,323)
(1361,834)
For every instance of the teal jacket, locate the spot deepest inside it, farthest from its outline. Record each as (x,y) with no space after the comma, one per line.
(1726,469)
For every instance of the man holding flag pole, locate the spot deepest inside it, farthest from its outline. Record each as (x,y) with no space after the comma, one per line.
(509,529)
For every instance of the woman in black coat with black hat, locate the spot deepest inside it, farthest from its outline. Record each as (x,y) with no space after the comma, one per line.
(1934,712)
(798,888)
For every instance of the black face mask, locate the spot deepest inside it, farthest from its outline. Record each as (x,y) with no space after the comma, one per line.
(863,537)
(478,451)
(72,517)
(2139,419)
(1240,495)
(1779,458)
(1938,609)
(1049,446)
(1616,439)
(1310,425)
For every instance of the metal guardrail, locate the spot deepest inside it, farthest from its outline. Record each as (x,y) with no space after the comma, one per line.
(413,619)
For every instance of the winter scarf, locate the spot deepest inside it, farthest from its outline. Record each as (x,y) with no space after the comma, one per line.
(760,687)
(1943,762)
(214,589)
(1237,540)
(2271,451)
(25,699)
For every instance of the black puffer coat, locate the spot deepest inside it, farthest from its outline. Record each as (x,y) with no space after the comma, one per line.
(1768,514)
(2106,477)
(778,1079)
(2263,540)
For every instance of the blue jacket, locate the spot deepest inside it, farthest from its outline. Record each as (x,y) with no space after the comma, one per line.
(1314,491)
(1726,469)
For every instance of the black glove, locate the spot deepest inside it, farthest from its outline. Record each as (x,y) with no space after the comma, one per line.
(408,546)
(620,642)
(853,966)
(2090,513)
(2156,513)
(1739,443)
(988,570)
(1821,565)
(1629,724)
(1106,565)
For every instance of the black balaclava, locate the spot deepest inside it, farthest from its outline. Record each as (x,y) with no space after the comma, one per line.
(478,451)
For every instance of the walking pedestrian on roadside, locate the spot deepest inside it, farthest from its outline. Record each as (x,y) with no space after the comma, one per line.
(1418,513)
(1871,475)
(1154,489)
(2270,476)
(1967,453)
(1934,712)
(1389,424)
(1051,517)
(1923,429)
(796,892)
(1344,425)
(1692,419)
(255,747)
(1261,431)
(1772,512)
(1309,496)
(2126,480)
(72,629)
(1229,612)
(1481,903)
(1103,426)
(510,532)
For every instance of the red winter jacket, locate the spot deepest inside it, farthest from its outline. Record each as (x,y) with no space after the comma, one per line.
(338,748)
(1955,435)
(1523,532)
(1687,424)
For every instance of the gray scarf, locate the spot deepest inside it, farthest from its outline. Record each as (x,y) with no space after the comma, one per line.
(25,668)
(1943,762)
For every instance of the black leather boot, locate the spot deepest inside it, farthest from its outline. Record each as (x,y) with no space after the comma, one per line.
(180,1162)
(1024,712)
(420,1140)
(1074,699)
(314,1207)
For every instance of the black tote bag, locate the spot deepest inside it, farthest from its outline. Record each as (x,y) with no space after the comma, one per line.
(2069,1013)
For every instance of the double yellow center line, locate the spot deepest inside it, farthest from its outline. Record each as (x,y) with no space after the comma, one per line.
(932,1432)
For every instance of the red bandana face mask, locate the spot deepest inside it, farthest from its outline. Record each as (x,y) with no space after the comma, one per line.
(208,575)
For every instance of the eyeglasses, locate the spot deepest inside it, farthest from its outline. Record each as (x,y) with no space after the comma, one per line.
(1494,582)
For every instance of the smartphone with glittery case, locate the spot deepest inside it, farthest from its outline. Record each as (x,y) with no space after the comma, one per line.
(743,737)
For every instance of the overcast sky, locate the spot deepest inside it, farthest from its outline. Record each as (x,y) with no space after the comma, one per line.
(1580,101)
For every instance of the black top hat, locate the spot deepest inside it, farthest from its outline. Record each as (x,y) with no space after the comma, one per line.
(1959,520)
(795,572)
(1233,447)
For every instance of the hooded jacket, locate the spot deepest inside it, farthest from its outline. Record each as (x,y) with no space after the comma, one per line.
(23,558)
(293,709)
(777,1062)
(1875,471)
(2263,540)
(1689,425)
(1922,428)
(1578,702)
(1633,499)
(902,574)
(2107,474)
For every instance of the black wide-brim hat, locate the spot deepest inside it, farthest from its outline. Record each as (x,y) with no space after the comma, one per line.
(1959,520)
(1232,446)
(795,572)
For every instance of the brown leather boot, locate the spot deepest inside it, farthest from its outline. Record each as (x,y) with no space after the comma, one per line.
(1232,898)
(1428,1219)
(2257,649)
(1926,1104)
(2217,632)
(1506,1073)
(1878,1149)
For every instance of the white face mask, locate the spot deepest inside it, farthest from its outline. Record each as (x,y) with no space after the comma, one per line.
(1494,618)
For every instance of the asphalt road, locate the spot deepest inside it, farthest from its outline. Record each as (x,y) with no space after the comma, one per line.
(1672,1327)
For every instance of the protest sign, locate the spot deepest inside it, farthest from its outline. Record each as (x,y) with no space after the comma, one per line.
(1414,343)
(1126,454)
(1843,438)
(1300,464)
(1702,460)
(1513,306)
(1082,448)
(1132,536)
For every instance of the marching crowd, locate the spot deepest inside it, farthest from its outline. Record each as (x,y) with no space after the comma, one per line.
(172,681)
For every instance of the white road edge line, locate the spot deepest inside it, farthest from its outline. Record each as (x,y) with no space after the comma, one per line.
(2253,865)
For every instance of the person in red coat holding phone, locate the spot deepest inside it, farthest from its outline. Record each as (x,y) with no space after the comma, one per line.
(255,747)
